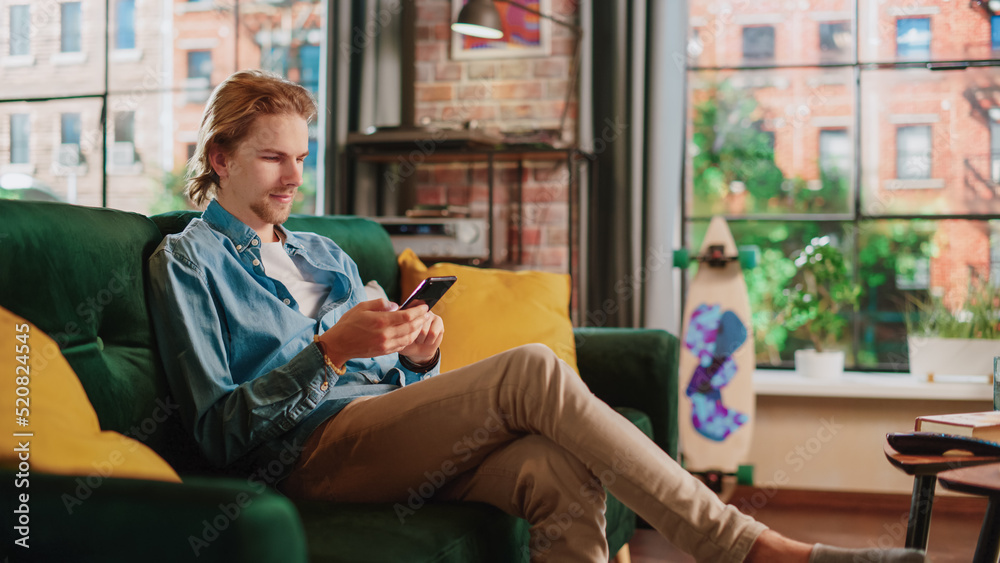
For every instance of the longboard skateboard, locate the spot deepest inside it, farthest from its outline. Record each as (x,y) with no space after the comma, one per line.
(717,401)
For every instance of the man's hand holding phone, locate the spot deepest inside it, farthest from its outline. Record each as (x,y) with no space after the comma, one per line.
(378,327)
(428,340)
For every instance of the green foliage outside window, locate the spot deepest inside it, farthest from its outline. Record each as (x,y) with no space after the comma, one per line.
(730,147)
(978,317)
(821,295)
(732,153)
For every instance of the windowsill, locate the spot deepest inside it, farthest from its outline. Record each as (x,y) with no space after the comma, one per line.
(26,168)
(911,10)
(126,55)
(133,170)
(861,385)
(60,59)
(18,61)
(186,7)
(928,184)
(60,170)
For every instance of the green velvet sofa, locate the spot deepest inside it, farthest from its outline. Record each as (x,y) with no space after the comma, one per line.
(56,262)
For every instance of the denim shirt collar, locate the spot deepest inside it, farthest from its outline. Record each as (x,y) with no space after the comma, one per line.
(237,231)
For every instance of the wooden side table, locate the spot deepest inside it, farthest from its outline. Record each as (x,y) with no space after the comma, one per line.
(983,480)
(925,470)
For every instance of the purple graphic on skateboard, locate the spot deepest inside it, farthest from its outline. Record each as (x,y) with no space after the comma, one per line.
(713,336)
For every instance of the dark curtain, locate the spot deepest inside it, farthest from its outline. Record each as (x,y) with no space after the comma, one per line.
(368,87)
(610,299)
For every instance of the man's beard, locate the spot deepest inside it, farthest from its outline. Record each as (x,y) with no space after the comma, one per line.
(269,212)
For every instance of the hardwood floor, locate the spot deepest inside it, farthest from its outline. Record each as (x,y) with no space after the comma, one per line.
(842,519)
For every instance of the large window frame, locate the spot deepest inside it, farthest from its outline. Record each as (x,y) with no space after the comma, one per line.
(859,217)
(124,71)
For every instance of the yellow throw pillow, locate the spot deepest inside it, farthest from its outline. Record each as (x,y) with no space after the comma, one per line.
(62,434)
(489,311)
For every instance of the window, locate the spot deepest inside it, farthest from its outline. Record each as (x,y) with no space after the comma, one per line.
(125,127)
(995,253)
(834,153)
(125,31)
(913,38)
(994,149)
(758,43)
(275,60)
(995,33)
(913,152)
(310,161)
(70,130)
(69,154)
(147,94)
(123,149)
(20,30)
(309,67)
(695,47)
(70,40)
(834,40)
(199,64)
(898,164)
(20,137)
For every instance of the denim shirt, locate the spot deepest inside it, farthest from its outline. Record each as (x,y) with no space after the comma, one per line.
(240,357)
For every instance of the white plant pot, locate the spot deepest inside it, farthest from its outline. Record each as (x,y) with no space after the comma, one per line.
(819,365)
(951,356)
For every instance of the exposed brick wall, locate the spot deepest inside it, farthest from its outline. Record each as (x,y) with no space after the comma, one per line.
(500,95)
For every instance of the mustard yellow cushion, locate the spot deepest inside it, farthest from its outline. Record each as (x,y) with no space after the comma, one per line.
(489,311)
(65,436)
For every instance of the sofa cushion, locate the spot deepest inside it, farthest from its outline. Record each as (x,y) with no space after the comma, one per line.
(78,274)
(489,311)
(65,436)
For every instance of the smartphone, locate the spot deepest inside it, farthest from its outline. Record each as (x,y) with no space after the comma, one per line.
(429,291)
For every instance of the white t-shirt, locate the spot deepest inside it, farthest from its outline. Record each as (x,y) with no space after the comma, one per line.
(278,265)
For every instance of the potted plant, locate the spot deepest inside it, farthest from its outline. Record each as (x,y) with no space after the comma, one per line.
(954,341)
(817,301)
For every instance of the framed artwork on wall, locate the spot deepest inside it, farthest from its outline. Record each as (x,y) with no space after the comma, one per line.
(524,34)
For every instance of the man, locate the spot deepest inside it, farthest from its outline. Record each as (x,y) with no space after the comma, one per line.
(279,363)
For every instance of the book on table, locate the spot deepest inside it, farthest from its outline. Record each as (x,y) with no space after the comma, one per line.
(979,425)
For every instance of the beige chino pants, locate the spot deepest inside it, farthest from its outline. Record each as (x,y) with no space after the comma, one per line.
(522,432)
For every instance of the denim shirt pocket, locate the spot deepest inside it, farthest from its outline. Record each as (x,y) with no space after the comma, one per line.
(372,377)
(395,376)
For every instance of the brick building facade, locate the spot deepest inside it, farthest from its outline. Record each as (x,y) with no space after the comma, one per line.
(59,50)
(163,58)
(929,139)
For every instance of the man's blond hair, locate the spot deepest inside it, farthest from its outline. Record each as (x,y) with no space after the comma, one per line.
(231,109)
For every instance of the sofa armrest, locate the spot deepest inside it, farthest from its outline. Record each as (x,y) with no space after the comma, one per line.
(634,368)
(90,518)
